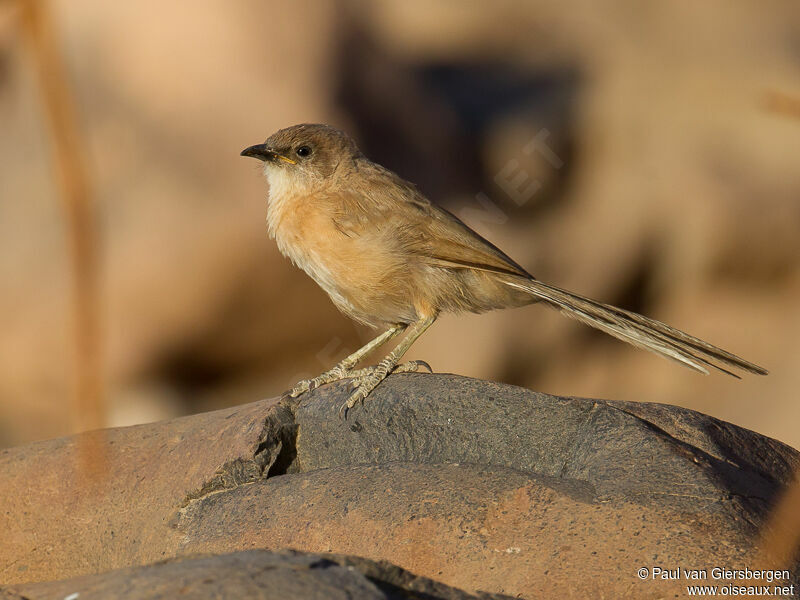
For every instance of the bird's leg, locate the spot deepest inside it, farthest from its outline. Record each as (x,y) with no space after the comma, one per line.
(374,375)
(342,370)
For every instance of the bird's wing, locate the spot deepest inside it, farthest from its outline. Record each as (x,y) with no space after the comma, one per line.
(427,232)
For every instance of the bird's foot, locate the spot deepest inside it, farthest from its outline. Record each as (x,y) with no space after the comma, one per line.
(412,366)
(306,385)
(367,379)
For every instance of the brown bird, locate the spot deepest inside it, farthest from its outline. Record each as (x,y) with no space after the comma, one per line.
(390,258)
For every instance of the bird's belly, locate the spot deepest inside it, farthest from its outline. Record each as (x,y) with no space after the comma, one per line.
(369,287)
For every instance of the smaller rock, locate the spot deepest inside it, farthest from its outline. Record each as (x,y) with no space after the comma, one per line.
(250,575)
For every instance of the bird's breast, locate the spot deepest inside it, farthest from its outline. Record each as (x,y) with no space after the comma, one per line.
(363,277)
(303,233)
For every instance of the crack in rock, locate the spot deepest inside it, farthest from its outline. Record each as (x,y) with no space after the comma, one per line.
(274,455)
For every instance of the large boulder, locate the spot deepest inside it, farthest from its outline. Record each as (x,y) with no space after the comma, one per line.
(478,485)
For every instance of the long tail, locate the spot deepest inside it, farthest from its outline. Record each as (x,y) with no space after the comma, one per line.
(636,329)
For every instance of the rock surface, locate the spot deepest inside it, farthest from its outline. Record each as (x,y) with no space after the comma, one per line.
(478,485)
(251,575)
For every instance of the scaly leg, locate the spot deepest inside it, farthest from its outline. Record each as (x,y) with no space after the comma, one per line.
(378,373)
(342,370)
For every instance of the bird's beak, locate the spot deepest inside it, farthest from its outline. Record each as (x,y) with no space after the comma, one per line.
(263,152)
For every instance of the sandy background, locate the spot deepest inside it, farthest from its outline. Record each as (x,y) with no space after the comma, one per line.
(673,189)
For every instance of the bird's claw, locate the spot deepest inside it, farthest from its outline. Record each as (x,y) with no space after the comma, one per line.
(413,366)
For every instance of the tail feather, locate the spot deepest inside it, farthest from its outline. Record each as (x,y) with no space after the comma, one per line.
(636,329)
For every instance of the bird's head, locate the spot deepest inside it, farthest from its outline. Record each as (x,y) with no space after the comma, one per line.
(304,154)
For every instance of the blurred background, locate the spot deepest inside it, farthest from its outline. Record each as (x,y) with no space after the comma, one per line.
(644,154)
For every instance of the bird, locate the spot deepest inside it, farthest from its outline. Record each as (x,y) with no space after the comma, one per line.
(391,259)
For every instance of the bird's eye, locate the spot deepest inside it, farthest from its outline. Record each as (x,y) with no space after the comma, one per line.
(304,151)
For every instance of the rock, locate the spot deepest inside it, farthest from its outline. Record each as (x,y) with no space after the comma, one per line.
(250,575)
(478,485)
